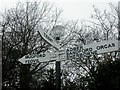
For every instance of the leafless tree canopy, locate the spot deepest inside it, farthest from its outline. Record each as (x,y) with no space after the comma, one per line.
(20,26)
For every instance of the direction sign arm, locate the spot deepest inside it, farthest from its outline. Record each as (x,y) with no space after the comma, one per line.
(51,41)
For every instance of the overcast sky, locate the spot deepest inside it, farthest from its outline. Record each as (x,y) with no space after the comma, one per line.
(72,9)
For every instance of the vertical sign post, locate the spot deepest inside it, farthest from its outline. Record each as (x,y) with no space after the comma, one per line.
(53,43)
(58,69)
(58,76)
(57,32)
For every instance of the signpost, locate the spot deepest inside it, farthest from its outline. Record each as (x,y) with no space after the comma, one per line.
(98,47)
(49,39)
(43,57)
(60,53)
(103,47)
(35,58)
(73,52)
(68,53)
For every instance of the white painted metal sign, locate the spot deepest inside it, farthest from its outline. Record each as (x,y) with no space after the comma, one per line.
(98,47)
(103,47)
(49,39)
(59,55)
(73,52)
(35,58)
(43,57)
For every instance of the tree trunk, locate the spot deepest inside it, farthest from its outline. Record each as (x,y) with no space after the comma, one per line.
(24,76)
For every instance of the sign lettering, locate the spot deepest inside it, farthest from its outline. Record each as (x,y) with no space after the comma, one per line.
(31,61)
(73,53)
(105,46)
(34,56)
(97,47)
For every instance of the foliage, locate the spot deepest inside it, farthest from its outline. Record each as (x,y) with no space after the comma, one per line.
(107,76)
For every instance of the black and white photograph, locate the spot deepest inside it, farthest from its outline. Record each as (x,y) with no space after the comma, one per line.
(60,44)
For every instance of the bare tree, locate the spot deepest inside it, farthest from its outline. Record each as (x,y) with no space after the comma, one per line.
(103,27)
(20,26)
